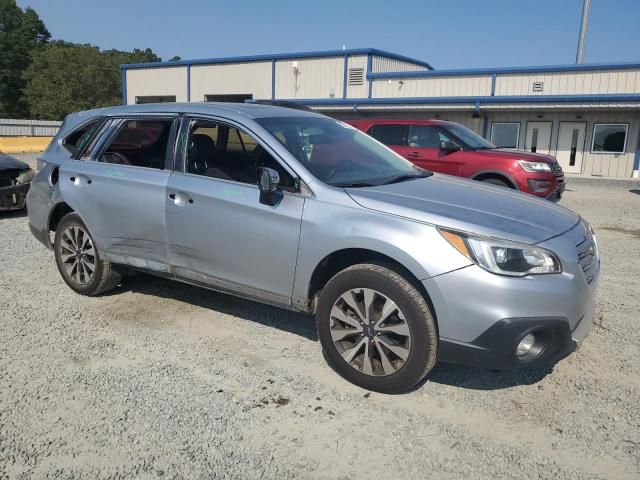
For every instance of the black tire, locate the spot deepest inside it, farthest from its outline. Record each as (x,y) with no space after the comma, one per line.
(103,278)
(496,181)
(417,315)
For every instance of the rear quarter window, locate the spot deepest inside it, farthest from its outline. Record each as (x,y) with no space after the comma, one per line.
(77,140)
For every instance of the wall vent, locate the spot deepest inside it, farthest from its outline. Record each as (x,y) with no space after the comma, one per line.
(356,76)
(538,86)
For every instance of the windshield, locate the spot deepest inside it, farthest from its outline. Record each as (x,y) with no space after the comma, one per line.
(471,138)
(339,154)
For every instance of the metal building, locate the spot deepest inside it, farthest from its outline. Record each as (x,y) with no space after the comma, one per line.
(586,115)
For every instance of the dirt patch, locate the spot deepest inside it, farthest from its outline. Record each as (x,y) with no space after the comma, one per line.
(629,231)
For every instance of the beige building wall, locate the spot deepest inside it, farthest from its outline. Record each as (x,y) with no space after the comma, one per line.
(317,78)
(157,81)
(358,91)
(614,165)
(570,83)
(231,78)
(385,64)
(433,87)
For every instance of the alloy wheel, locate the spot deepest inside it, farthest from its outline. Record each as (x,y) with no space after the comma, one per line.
(370,332)
(78,254)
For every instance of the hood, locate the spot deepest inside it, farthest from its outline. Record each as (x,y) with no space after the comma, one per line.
(470,206)
(519,154)
(10,163)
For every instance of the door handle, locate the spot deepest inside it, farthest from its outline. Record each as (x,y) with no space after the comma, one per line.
(80,180)
(180,199)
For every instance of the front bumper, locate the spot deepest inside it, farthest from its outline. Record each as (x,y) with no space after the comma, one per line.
(13,197)
(496,347)
(482,317)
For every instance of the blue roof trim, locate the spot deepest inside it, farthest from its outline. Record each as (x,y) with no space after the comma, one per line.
(471,100)
(281,56)
(503,70)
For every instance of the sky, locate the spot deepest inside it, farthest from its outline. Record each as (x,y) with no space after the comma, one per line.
(445,33)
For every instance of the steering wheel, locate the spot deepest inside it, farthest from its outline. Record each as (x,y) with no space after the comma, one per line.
(342,165)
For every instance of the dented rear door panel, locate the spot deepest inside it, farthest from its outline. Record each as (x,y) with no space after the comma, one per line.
(122,206)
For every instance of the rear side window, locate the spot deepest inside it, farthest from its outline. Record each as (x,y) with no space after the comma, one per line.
(388,134)
(139,143)
(80,138)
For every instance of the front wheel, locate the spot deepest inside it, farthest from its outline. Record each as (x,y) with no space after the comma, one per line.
(78,260)
(376,329)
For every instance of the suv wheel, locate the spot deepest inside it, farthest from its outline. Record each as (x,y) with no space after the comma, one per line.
(376,329)
(78,260)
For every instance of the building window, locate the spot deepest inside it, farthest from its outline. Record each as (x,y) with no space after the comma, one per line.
(156,99)
(505,135)
(609,137)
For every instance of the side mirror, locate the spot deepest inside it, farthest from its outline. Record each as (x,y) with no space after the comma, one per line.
(447,146)
(268,181)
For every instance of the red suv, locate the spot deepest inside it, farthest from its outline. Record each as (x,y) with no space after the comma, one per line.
(447,147)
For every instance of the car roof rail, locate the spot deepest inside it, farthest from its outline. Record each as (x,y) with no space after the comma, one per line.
(281,103)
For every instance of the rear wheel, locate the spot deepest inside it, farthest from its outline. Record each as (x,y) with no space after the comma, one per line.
(78,260)
(376,329)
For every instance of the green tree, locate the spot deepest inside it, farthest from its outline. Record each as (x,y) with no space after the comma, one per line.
(65,77)
(21,33)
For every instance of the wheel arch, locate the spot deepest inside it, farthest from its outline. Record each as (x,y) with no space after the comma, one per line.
(485,174)
(338,260)
(57,213)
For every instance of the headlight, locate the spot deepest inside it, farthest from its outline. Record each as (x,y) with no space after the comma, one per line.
(502,257)
(533,167)
(26,176)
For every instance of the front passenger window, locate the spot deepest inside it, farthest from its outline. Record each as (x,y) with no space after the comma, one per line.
(426,136)
(221,151)
(139,143)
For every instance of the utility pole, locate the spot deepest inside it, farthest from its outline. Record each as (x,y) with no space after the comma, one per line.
(584,26)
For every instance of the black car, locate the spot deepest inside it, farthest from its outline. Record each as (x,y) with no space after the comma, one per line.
(15,178)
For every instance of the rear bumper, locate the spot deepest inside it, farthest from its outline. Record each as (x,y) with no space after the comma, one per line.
(41,235)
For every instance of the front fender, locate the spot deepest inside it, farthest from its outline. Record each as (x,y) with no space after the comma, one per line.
(328,228)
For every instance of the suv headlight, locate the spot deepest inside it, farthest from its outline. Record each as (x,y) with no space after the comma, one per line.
(534,167)
(503,257)
(26,176)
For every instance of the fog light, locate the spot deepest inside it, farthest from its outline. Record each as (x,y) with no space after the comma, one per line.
(525,345)
(538,185)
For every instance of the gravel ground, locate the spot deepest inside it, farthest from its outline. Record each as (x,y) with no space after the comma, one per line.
(161,380)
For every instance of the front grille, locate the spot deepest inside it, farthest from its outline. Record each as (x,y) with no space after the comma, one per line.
(588,256)
(556,169)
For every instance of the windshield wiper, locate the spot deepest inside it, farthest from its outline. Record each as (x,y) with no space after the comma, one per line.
(408,176)
(353,185)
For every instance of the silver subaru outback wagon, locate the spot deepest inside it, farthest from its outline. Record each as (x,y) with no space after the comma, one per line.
(401,267)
